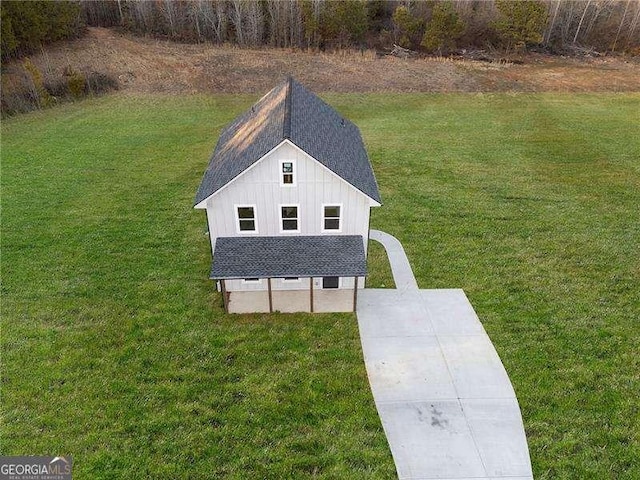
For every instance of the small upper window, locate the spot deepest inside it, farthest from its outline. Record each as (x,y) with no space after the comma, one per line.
(287,173)
(331,217)
(289,217)
(246,219)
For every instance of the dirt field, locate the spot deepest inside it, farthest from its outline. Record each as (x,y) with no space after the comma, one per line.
(147,65)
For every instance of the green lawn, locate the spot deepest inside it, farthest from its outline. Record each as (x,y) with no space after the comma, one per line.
(115,348)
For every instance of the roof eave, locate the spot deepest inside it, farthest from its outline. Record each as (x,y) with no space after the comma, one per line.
(298,275)
(373,201)
(203,203)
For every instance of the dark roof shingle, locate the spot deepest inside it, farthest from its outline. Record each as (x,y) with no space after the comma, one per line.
(288,256)
(290,111)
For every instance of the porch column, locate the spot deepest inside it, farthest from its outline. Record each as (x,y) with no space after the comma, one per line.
(223,289)
(270,295)
(355,293)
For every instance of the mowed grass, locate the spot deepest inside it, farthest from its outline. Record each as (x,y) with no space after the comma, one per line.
(116,350)
(115,346)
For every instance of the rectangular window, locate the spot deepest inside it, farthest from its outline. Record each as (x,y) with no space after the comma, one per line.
(287,173)
(290,279)
(246,219)
(331,217)
(251,280)
(330,282)
(289,216)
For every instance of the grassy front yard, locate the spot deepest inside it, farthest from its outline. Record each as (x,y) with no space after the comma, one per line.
(115,348)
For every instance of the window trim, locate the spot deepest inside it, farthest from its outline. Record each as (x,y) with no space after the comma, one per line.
(246,281)
(255,219)
(291,280)
(323,218)
(329,276)
(281,174)
(280,206)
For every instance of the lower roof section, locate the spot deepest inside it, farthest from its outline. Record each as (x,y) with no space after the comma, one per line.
(288,256)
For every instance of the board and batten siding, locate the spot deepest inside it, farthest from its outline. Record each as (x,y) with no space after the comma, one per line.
(314,186)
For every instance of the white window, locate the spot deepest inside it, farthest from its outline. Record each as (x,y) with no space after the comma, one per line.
(253,281)
(291,280)
(331,218)
(287,173)
(246,218)
(289,218)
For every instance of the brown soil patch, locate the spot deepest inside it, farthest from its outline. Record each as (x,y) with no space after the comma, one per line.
(150,66)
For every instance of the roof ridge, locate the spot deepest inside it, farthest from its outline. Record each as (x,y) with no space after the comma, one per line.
(318,129)
(286,124)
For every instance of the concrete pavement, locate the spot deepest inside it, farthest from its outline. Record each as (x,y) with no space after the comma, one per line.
(446,403)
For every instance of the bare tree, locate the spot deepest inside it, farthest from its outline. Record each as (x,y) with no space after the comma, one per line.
(295,23)
(284,23)
(311,12)
(633,26)
(169,11)
(551,25)
(584,12)
(215,19)
(142,13)
(599,7)
(237,16)
(567,20)
(274,10)
(624,15)
(255,23)
(194,14)
(120,11)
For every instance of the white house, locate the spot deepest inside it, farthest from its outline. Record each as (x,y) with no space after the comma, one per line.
(287,193)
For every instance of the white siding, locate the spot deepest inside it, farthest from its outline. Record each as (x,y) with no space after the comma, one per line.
(261,186)
(276,284)
(280,284)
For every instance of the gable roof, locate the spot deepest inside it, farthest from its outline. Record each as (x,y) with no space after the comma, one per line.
(290,112)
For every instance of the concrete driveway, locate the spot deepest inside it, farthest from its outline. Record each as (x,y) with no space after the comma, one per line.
(445,400)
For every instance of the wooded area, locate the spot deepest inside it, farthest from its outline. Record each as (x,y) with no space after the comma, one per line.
(439,27)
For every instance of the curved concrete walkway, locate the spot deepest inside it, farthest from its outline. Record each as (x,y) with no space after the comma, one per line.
(400,267)
(445,400)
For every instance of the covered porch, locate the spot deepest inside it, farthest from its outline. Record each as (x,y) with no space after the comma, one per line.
(314,273)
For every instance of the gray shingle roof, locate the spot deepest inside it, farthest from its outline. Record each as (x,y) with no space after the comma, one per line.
(290,111)
(294,256)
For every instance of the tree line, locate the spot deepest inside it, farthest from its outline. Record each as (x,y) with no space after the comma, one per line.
(26,26)
(434,26)
(430,26)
